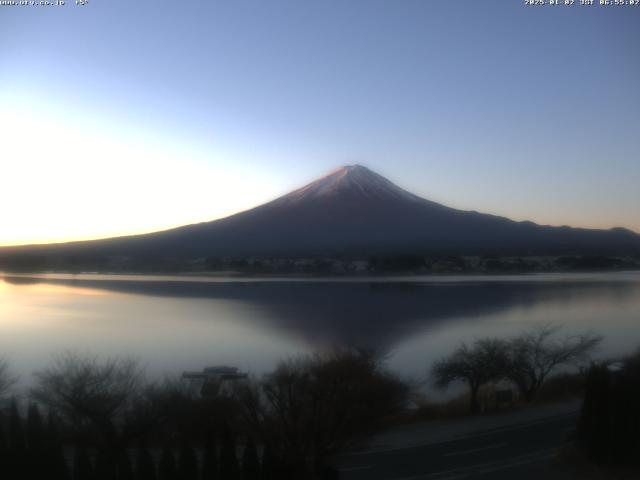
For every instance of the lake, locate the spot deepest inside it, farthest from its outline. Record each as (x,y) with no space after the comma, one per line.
(174,323)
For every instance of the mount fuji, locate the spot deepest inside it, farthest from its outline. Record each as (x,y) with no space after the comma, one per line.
(353,212)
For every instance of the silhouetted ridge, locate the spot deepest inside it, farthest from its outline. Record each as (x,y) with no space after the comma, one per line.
(353,212)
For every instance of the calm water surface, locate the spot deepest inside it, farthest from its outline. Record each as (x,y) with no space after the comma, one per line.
(178,323)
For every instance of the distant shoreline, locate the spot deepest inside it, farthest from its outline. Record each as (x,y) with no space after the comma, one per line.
(387,266)
(215,277)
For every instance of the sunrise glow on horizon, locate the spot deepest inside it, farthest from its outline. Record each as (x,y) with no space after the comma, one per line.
(79,181)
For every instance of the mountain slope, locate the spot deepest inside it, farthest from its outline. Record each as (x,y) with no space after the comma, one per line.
(352,211)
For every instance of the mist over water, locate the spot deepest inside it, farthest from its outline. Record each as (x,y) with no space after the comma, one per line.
(185,323)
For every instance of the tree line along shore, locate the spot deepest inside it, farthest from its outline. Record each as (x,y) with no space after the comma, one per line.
(323,264)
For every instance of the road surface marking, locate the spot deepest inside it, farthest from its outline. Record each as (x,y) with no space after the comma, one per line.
(478,434)
(474,450)
(354,469)
(462,472)
(512,464)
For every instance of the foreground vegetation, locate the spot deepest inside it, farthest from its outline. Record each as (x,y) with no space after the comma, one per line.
(609,427)
(283,426)
(104,421)
(525,361)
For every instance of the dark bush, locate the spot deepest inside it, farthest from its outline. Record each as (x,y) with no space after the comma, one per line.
(609,425)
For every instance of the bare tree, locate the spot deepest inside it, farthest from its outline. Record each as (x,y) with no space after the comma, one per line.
(176,405)
(313,407)
(537,352)
(90,393)
(484,362)
(7,380)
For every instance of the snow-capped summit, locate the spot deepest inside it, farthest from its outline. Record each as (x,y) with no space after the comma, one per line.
(352,181)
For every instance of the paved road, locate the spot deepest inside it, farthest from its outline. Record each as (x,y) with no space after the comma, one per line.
(515,452)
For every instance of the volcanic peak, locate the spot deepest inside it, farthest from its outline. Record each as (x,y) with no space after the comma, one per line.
(350,181)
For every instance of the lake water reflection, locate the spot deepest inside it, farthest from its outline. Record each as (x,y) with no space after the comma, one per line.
(178,323)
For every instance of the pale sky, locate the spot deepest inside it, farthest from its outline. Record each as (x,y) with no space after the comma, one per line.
(124,117)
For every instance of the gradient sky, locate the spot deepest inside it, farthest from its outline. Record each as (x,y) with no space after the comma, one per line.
(124,117)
